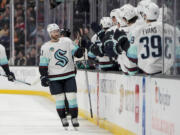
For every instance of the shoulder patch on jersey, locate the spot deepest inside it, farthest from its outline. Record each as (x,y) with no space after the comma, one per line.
(52,49)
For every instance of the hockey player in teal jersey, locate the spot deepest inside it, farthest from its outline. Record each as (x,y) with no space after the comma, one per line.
(58,72)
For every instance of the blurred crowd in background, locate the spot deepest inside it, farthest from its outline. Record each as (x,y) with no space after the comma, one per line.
(19,32)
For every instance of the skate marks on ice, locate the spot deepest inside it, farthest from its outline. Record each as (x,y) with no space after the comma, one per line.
(34,115)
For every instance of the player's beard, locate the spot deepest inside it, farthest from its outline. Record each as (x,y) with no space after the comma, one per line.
(55,37)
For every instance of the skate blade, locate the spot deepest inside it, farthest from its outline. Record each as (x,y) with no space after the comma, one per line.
(75,128)
(66,128)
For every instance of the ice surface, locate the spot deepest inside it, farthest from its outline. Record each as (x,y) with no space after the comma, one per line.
(34,115)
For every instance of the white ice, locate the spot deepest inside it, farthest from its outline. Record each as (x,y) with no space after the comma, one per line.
(34,115)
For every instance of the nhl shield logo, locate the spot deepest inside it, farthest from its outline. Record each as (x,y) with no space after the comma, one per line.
(52,49)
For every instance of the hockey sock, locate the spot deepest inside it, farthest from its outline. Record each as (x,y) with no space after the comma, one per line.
(66,105)
(60,106)
(73,107)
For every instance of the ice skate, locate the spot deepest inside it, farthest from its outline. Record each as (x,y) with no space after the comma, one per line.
(65,123)
(75,122)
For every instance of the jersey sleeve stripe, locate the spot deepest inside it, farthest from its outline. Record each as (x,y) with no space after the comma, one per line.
(91,55)
(105,66)
(3,61)
(133,60)
(43,61)
(6,65)
(105,63)
(43,67)
(75,49)
(132,69)
(43,64)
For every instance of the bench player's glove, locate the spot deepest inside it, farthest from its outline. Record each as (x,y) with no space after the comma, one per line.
(44,81)
(108,48)
(85,42)
(96,50)
(123,43)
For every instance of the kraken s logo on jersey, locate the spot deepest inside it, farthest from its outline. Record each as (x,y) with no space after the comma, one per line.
(62,60)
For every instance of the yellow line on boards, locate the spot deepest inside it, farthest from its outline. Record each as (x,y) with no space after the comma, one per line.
(113,128)
(28,92)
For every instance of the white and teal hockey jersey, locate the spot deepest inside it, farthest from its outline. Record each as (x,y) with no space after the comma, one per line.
(58,58)
(147,49)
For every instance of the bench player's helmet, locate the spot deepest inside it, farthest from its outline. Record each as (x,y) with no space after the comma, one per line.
(151,11)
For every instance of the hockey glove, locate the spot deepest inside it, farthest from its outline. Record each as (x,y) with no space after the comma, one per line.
(11,76)
(96,50)
(96,27)
(101,34)
(79,53)
(124,43)
(108,36)
(119,34)
(121,38)
(85,42)
(44,81)
(117,48)
(108,48)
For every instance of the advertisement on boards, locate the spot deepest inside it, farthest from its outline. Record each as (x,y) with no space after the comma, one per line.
(165,110)
(120,98)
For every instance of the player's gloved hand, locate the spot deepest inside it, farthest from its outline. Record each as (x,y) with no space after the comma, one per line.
(11,76)
(119,34)
(118,48)
(101,34)
(45,81)
(123,43)
(108,48)
(96,50)
(80,52)
(95,27)
(85,42)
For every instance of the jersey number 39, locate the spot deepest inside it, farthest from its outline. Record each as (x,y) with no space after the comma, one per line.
(154,43)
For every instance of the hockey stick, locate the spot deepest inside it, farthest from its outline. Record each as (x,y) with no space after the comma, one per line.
(87,83)
(18,80)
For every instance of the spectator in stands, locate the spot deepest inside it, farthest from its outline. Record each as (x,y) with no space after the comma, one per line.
(30,23)
(20,59)
(4,31)
(4,37)
(19,23)
(31,61)
(4,17)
